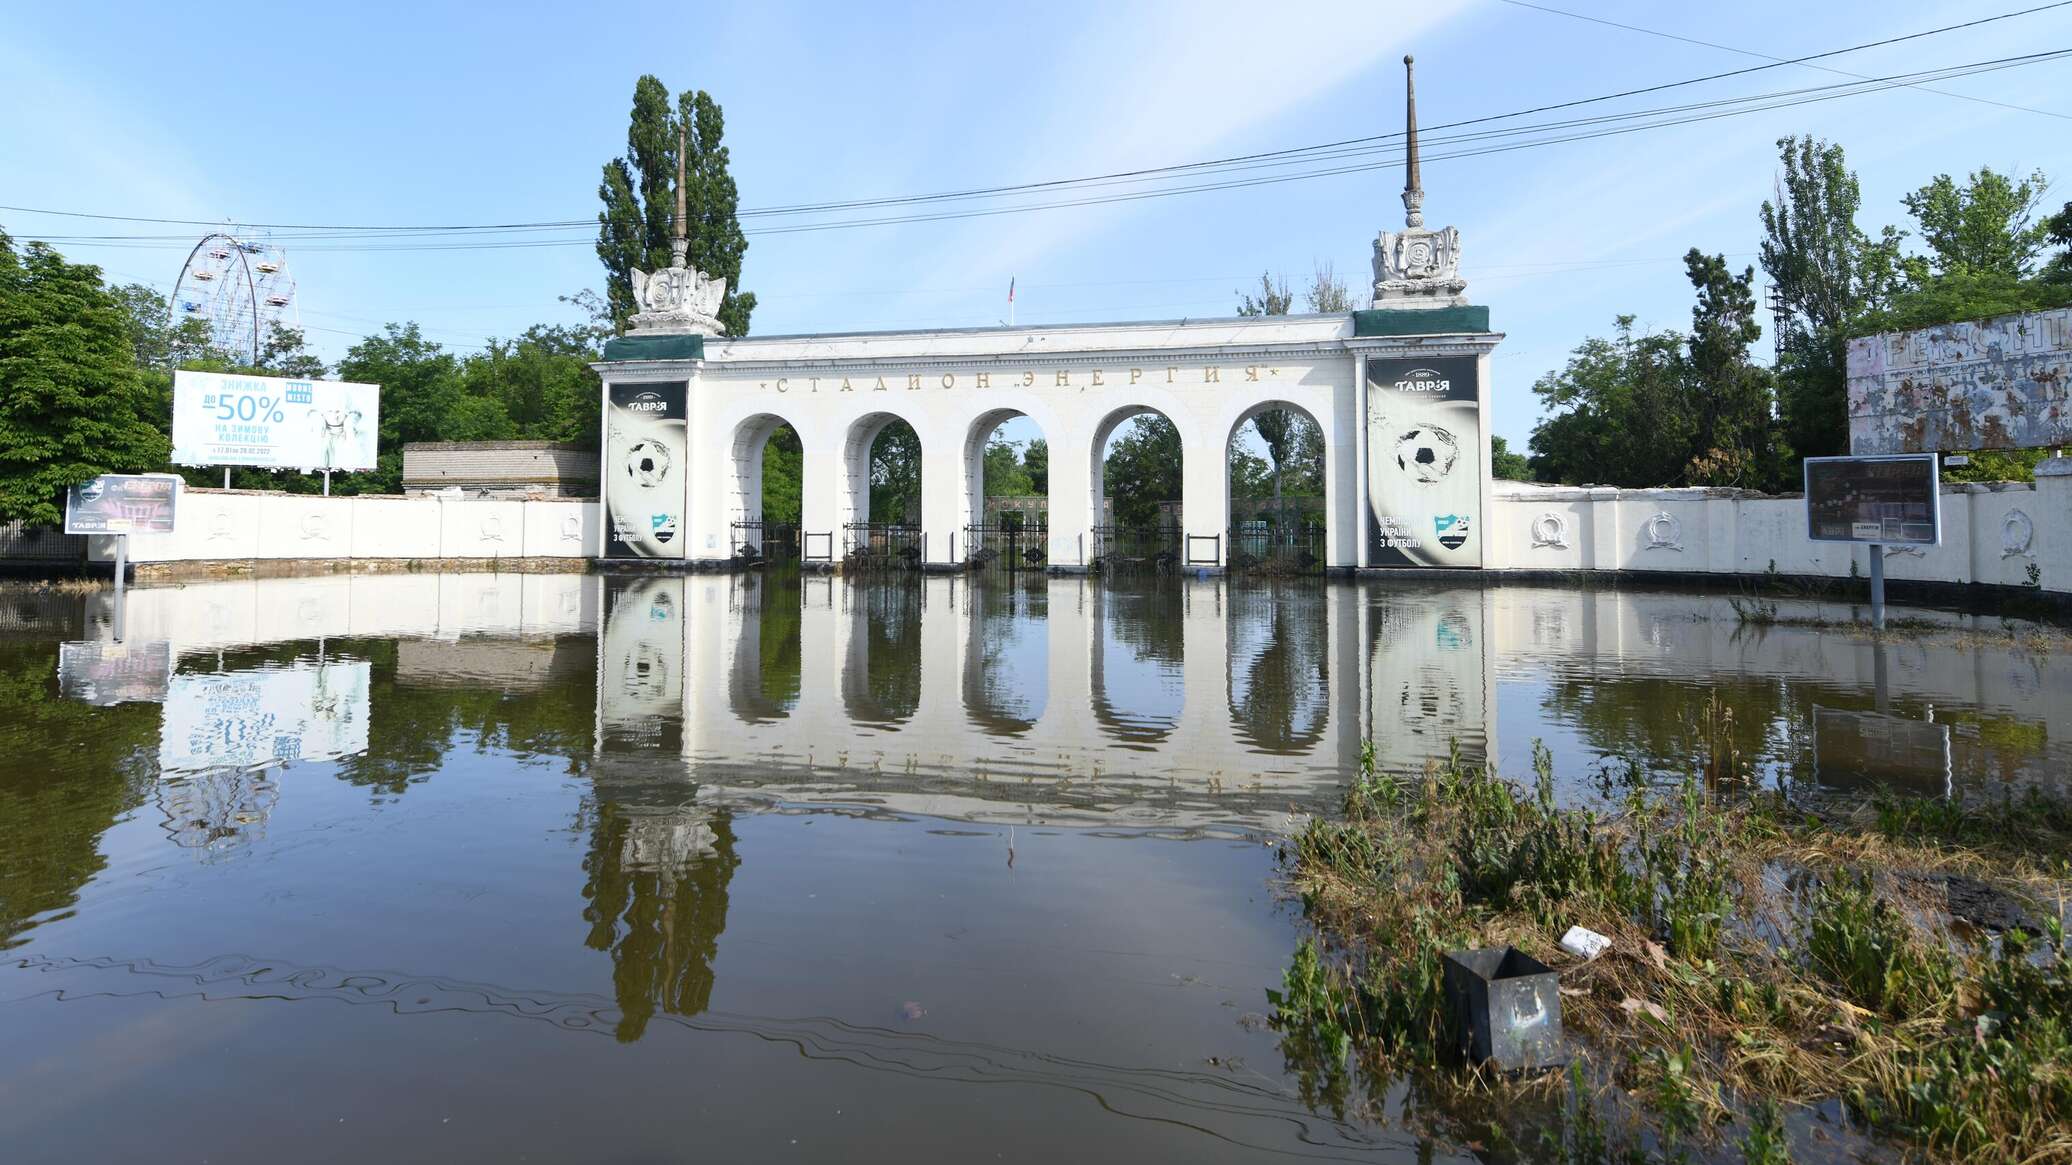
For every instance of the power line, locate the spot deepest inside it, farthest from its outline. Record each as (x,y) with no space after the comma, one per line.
(1475,144)
(1780,60)
(1292,155)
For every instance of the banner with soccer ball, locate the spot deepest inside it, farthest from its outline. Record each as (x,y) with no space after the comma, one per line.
(1424,462)
(646,469)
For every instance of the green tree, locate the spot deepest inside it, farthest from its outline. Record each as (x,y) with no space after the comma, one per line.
(1004,474)
(784,467)
(1327,294)
(2057,231)
(1617,413)
(421,400)
(1731,395)
(1827,274)
(1508,465)
(896,474)
(72,404)
(1036,461)
(1274,298)
(1985,226)
(285,352)
(1142,469)
(638,192)
(541,381)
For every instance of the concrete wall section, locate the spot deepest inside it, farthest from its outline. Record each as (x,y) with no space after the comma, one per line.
(2002,534)
(239,526)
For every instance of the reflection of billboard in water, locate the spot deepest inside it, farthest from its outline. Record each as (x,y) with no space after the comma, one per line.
(249,719)
(104,673)
(1892,500)
(641,662)
(1854,750)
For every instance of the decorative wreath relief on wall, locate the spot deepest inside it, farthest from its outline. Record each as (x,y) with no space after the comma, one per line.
(1909,551)
(221,526)
(1550,531)
(2017,535)
(316,527)
(1664,531)
(492,529)
(571,529)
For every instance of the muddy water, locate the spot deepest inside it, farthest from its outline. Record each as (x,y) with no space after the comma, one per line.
(483,867)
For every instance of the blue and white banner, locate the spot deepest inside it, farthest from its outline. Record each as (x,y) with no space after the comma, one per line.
(274,422)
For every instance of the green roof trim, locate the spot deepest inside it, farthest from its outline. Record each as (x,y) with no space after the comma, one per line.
(655,348)
(1420,321)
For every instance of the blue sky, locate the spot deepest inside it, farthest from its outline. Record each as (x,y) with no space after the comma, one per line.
(427,113)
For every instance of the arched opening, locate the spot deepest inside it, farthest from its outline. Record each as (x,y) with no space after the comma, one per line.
(1279,519)
(769,469)
(1006,493)
(1279,682)
(1137,466)
(882,459)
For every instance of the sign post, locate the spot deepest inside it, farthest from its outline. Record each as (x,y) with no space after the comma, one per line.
(1879,501)
(122,504)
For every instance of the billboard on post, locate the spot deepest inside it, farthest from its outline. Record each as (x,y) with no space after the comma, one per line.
(1895,500)
(1424,470)
(274,422)
(123,503)
(646,466)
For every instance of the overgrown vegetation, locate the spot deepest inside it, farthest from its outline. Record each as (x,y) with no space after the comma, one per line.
(1764,957)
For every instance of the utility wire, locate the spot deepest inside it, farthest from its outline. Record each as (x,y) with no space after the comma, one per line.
(1294,154)
(1773,57)
(1474,144)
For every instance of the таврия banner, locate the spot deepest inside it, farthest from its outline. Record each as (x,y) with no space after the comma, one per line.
(646,464)
(1424,462)
(273,422)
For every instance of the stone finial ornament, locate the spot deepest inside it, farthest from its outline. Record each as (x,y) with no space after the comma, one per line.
(679,299)
(1416,267)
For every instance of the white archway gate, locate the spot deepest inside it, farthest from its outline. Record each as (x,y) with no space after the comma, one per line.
(1075,383)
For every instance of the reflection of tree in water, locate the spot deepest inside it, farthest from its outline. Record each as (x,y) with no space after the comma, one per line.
(69,770)
(881,683)
(657,891)
(1279,684)
(1655,721)
(770,667)
(1006,677)
(1142,628)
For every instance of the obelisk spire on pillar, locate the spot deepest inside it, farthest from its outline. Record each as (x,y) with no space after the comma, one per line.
(679,246)
(1413,183)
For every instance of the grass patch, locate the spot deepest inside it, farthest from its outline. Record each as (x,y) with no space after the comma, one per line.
(1762,958)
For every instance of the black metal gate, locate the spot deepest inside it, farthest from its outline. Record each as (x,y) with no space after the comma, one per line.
(26,549)
(1265,547)
(1136,549)
(883,546)
(761,541)
(1011,542)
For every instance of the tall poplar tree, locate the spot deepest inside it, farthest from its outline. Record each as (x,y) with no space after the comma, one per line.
(638,191)
(72,404)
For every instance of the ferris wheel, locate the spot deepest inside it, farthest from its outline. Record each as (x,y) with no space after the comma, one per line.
(241,287)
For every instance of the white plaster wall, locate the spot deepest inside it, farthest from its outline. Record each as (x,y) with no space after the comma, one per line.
(220,526)
(1610,530)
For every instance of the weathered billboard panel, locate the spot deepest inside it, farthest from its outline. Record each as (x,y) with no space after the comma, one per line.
(2002,383)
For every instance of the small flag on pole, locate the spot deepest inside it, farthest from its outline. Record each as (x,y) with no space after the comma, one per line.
(1010,289)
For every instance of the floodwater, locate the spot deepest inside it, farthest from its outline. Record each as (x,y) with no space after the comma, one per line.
(540,867)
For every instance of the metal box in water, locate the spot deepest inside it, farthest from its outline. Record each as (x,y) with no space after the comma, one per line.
(1507,1008)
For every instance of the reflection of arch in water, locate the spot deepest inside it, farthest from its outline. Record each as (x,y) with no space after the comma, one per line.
(1279,680)
(1138,688)
(655,896)
(1007,665)
(881,679)
(768,663)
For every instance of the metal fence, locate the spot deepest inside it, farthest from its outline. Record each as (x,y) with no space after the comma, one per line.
(761,541)
(882,546)
(1136,549)
(27,548)
(1262,547)
(1011,542)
